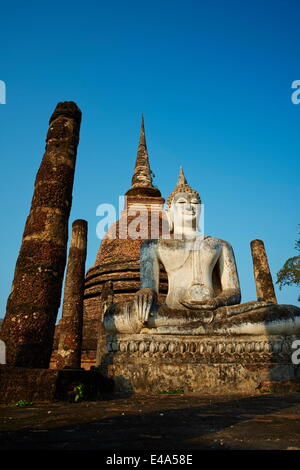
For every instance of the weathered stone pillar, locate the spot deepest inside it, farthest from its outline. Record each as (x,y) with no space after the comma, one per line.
(106,299)
(70,336)
(32,306)
(262,275)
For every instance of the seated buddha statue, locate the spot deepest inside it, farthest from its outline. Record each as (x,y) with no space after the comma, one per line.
(203,286)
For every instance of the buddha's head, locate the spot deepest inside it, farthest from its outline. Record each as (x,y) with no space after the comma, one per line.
(184,206)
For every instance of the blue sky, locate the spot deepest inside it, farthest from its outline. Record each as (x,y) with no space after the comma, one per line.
(213,80)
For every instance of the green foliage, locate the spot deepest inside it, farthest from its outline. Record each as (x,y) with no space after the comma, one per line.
(172,392)
(78,392)
(289,274)
(23,403)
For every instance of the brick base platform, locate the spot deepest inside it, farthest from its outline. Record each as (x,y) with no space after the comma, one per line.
(202,364)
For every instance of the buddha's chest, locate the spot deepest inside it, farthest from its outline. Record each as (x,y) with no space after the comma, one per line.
(190,259)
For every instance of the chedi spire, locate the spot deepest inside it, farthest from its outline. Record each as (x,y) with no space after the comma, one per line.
(142,173)
(141,184)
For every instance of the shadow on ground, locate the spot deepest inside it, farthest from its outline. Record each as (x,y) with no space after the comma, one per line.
(156,423)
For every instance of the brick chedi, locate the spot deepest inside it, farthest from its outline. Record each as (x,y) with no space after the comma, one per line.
(118,259)
(70,336)
(32,306)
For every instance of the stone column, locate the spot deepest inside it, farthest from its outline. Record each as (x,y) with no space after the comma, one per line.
(70,336)
(106,299)
(262,275)
(32,306)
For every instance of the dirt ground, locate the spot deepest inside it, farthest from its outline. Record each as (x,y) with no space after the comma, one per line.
(156,422)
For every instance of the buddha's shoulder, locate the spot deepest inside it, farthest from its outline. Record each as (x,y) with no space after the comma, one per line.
(216,241)
(149,243)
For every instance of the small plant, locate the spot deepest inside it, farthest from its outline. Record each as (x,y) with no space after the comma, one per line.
(178,391)
(78,392)
(23,403)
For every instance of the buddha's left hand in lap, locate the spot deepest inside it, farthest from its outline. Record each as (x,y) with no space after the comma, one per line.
(208,304)
(228,297)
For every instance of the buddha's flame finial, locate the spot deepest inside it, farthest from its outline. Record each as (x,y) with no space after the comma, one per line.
(142,173)
(182,186)
(181,178)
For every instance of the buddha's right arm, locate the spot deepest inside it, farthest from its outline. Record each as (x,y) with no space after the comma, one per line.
(131,317)
(149,265)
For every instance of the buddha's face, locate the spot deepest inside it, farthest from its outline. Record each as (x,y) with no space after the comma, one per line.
(185,211)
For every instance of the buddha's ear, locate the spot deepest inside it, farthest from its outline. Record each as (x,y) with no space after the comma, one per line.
(170,220)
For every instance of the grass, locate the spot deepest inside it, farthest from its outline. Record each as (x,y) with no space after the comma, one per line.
(177,391)
(24,403)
